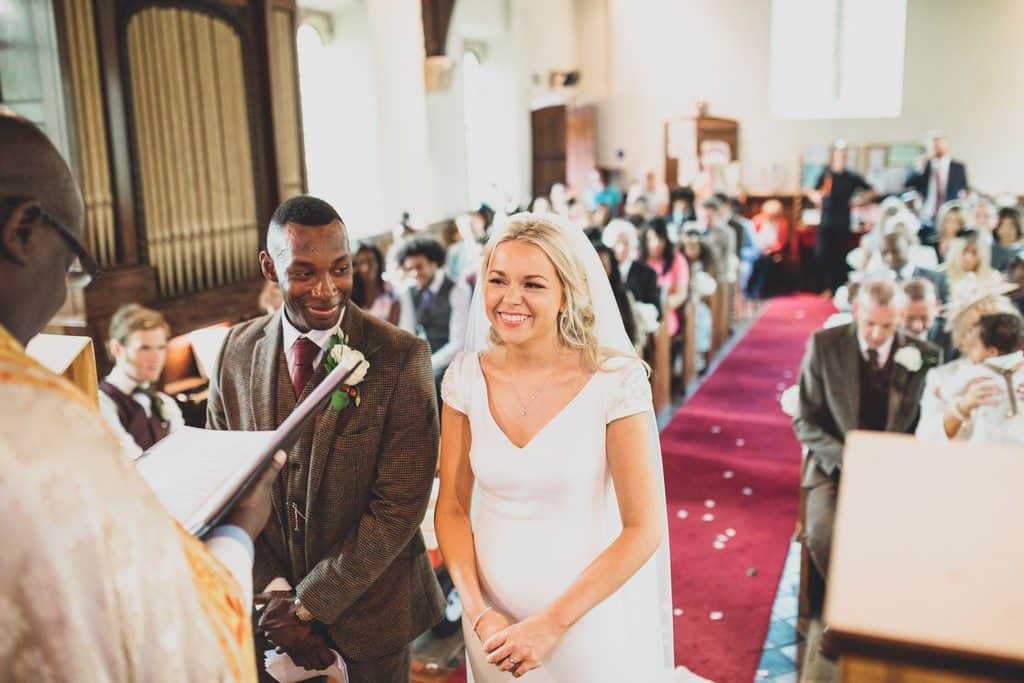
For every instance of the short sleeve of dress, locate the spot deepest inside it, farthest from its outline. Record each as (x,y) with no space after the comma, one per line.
(453,385)
(632,394)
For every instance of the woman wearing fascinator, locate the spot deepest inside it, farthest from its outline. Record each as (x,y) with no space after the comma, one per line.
(551,516)
(967,399)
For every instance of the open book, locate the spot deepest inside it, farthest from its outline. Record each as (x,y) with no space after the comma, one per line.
(200,474)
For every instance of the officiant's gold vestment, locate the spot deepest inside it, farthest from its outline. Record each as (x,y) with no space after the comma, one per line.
(97,582)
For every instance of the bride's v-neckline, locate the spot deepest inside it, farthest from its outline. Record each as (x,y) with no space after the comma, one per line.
(544,427)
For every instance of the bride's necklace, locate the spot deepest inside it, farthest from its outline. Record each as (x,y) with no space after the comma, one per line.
(524,405)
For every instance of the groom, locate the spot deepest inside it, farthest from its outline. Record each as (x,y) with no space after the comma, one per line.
(347,508)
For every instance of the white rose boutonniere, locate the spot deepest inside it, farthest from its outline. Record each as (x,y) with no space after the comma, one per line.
(340,353)
(910,358)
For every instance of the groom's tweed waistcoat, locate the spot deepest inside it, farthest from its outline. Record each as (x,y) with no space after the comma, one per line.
(356,486)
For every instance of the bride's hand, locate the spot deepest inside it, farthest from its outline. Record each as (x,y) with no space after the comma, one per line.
(523,646)
(491,623)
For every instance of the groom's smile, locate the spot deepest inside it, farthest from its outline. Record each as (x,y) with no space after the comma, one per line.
(313,267)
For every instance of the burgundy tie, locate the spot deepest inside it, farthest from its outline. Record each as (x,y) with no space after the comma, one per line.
(304,352)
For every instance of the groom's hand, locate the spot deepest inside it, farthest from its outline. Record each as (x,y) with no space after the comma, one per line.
(281,625)
(314,653)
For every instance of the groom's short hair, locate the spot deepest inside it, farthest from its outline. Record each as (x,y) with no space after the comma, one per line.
(302,209)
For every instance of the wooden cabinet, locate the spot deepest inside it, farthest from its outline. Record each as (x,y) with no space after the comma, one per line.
(564,141)
(686,137)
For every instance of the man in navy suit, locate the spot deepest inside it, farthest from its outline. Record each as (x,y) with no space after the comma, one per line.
(941,179)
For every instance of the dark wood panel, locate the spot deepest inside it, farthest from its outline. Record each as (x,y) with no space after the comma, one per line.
(437,17)
(547,172)
(548,132)
(233,303)
(108,39)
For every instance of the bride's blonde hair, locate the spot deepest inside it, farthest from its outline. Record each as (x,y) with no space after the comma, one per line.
(576,321)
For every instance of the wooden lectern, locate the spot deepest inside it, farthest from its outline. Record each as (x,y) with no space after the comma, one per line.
(71,357)
(927,571)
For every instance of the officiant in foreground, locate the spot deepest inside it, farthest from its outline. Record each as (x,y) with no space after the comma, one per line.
(344,533)
(99,583)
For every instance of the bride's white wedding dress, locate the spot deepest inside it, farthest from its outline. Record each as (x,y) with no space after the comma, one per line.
(542,513)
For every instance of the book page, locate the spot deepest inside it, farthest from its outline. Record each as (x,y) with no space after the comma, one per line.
(194,471)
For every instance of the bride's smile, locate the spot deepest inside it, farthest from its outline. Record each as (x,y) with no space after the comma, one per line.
(522,293)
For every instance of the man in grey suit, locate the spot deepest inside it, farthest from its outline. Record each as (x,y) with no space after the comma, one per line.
(863,375)
(347,508)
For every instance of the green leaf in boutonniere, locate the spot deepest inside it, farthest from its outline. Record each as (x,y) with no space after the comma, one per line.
(339,401)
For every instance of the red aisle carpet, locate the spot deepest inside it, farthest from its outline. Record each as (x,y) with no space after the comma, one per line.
(730,453)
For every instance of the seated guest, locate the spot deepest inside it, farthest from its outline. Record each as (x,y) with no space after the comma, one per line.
(100,583)
(864,375)
(680,213)
(640,280)
(983,219)
(463,254)
(949,223)
(1008,232)
(947,414)
(601,192)
(1015,276)
(652,191)
(746,244)
(721,238)
(896,263)
(921,319)
(969,262)
(434,306)
(672,269)
(771,234)
(702,286)
(917,253)
(623,299)
(136,411)
(369,291)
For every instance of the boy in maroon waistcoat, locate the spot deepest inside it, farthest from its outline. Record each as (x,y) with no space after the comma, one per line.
(129,401)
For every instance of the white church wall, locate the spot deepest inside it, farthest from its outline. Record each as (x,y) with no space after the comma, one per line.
(962,74)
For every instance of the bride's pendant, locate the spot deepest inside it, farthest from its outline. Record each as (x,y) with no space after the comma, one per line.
(522,412)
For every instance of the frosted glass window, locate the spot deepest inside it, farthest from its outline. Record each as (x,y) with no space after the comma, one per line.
(837,58)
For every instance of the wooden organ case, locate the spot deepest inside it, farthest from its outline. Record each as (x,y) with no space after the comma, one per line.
(186,135)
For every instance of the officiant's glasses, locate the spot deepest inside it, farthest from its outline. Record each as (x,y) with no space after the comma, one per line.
(83,269)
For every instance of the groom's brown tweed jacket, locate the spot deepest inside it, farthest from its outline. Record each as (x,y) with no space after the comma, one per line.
(361,480)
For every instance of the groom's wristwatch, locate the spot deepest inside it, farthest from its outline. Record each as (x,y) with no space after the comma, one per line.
(301,612)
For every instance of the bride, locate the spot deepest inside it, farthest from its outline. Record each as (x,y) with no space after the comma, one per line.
(551,516)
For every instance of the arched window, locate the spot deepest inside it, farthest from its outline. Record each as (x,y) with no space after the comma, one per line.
(317,104)
(477,181)
(837,58)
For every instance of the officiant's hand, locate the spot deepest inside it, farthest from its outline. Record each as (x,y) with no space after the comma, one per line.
(523,646)
(253,510)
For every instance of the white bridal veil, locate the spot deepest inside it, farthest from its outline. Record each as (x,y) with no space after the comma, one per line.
(649,591)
